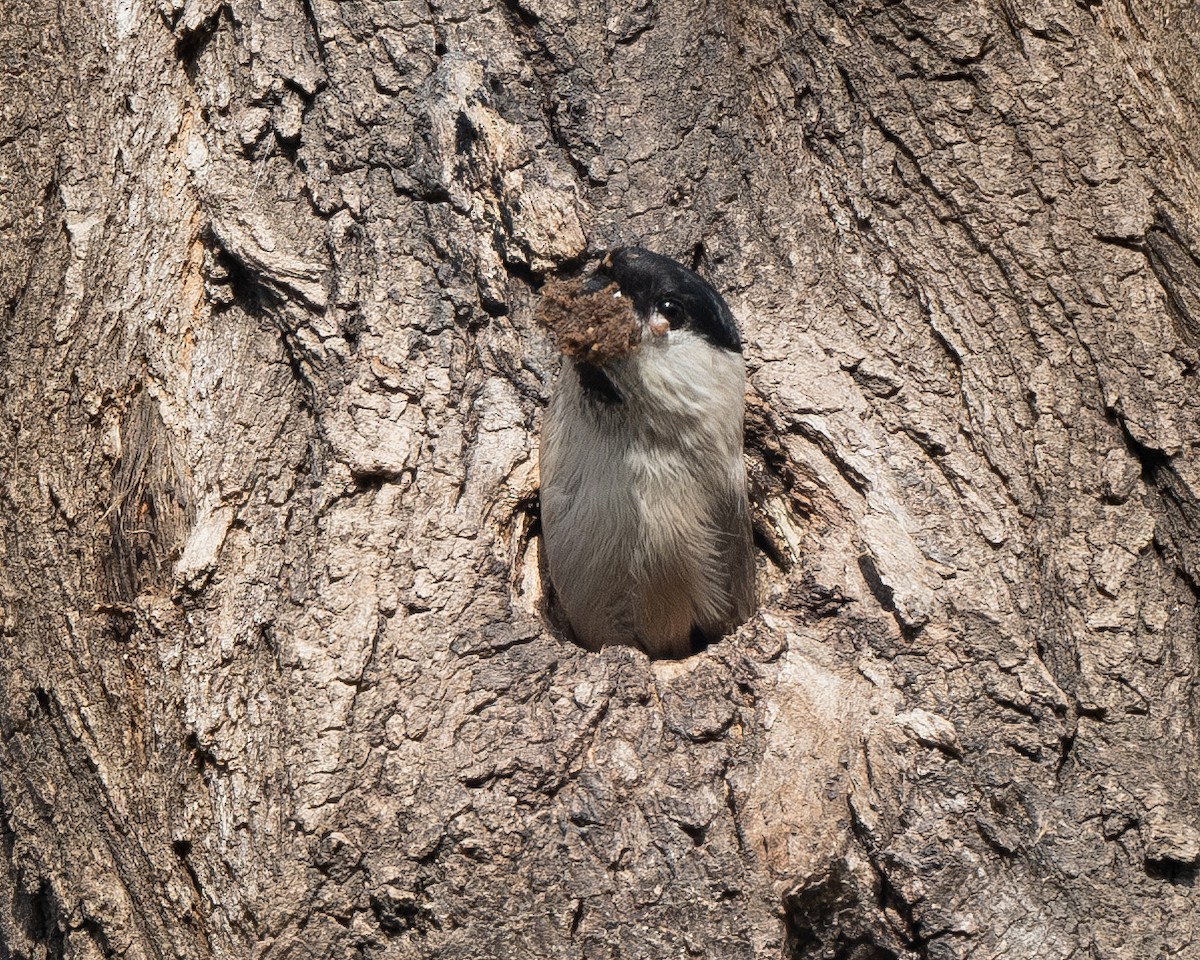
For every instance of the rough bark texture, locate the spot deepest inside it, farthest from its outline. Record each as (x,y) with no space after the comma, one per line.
(277,680)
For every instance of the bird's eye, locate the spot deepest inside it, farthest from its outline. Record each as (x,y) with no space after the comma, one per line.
(672,310)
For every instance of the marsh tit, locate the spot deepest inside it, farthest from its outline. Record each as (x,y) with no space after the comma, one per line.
(643,488)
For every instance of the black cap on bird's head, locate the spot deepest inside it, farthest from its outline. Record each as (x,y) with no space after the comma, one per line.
(655,283)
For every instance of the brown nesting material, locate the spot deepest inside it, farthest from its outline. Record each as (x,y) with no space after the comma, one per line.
(592,327)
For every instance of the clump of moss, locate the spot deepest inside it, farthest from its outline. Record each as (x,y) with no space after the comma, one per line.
(591,327)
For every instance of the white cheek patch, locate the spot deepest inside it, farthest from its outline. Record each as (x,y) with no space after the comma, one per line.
(659,325)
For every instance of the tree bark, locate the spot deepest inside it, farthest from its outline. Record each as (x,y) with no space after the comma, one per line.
(278,678)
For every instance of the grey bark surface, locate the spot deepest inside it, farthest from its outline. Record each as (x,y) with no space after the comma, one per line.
(277,680)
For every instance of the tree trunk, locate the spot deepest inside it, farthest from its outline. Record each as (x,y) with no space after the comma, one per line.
(278,676)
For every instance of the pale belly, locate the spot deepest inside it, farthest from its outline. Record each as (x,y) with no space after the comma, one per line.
(629,556)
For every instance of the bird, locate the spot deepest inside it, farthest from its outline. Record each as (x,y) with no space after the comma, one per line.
(644,513)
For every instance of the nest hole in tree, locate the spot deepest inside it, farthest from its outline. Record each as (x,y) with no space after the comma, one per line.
(781,507)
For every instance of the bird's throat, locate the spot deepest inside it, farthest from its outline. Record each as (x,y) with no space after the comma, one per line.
(597,385)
